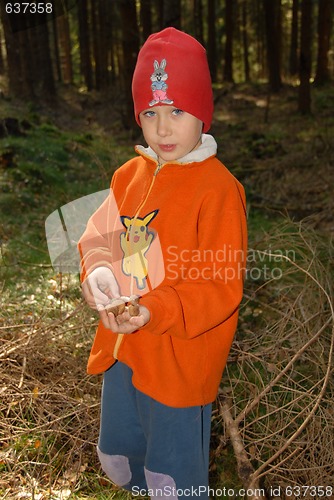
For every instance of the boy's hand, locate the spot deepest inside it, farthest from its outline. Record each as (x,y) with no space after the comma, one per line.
(124,323)
(99,287)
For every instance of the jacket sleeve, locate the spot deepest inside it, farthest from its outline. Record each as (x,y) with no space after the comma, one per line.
(212,288)
(95,243)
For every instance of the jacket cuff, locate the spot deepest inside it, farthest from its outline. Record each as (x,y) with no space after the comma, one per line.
(157,312)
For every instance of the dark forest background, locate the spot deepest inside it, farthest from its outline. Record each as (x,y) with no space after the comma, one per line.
(66,124)
(93,44)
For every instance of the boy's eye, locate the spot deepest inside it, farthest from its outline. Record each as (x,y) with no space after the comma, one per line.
(149,114)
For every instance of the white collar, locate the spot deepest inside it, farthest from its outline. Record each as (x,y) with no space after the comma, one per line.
(207,148)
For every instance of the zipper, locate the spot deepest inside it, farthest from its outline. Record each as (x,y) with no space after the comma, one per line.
(159,166)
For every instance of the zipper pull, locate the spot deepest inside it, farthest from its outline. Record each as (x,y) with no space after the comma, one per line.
(157,170)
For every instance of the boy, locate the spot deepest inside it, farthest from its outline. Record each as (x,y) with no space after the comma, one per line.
(173,231)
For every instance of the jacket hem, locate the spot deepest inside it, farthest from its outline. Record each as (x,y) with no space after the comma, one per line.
(175,403)
(98,370)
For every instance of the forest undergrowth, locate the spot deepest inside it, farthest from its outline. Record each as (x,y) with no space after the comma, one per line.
(273,419)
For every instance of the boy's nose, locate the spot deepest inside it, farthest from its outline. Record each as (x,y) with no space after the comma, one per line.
(164,128)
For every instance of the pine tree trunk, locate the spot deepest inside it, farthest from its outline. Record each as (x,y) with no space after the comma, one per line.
(294,39)
(198,21)
(109,27)
(130,46)
(84,42)
(324,31)
(260,26)
(26,56)
(103,46)
(304,97)
(244,17)
(13,55)
(56,52)
(96,45)
(212,43)
(229,29)
(41,63)
(159,5)
(145,18)
(63,31)
(172,14)
(272,10)
(20,29)
(114,58)
(2,62)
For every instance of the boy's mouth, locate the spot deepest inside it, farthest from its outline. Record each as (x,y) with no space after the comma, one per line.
(167,148)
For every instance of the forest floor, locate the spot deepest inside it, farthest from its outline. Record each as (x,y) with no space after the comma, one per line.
(50,156)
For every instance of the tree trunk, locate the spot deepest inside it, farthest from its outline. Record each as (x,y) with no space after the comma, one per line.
(212,40)
(172,14)
(96,44)
(114,44)
(56,52)
(84,42)
(2,62)
(304,97)
(42,65)
(294,39)
(229,30)
(145,18)
(324,31)
(272,11)
(63,31)
(109,27)
(159,7)
(198,20)
(13,55)
(20,29)
(260,27)
(130,46)
(26,56)
(244,17)
(103,45)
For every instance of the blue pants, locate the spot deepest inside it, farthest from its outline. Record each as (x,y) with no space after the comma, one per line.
(149,448)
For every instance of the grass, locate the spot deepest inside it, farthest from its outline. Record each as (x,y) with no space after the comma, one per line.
(47,169)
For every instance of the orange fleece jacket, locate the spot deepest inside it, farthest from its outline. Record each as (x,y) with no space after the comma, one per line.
(199,217)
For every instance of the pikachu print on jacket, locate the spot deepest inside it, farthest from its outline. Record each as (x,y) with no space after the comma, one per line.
(135,242)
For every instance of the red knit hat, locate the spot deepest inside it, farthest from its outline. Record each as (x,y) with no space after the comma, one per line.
(172,69)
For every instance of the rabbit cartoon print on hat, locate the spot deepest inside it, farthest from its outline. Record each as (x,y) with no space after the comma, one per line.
(159,86)
(180,73)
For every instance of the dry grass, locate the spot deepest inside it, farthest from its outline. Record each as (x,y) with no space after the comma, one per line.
(49,407)
(280,384)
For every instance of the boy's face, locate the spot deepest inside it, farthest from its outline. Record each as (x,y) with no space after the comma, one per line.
(170,132)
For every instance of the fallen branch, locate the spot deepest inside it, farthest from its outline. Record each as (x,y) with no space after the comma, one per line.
(245,468)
